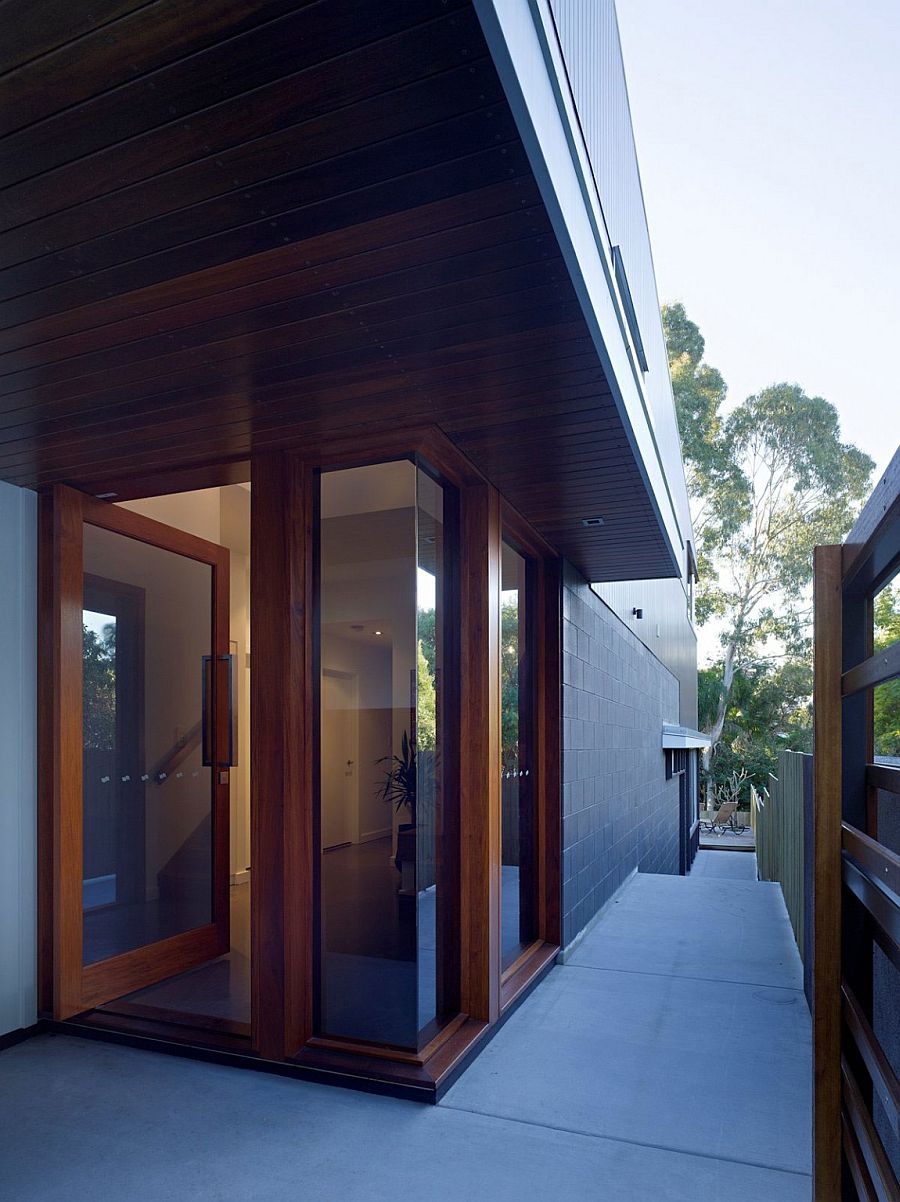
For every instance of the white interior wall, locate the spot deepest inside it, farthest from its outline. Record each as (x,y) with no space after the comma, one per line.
(222,515)
(372,667)
(194,512)
(234,518)
(18,755)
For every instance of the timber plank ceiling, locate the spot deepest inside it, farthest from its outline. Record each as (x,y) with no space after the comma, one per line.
(237,225)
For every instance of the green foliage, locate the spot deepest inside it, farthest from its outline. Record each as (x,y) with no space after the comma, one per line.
(718,489)
(426,702)
(767,483)
(400,780)
(426,620)
(770,710)
(509,683)
(887,696)
(805,489)
(509,680)
(99,659)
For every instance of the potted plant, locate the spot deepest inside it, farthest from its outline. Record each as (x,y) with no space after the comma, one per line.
(399,789)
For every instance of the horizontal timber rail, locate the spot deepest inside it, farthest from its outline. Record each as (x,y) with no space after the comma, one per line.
(860,1174)
(880,776)
(884,1079)
(882,864)
(877,669)
(881,1175)
(867,890)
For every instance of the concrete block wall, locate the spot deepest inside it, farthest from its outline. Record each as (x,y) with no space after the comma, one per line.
(619,811)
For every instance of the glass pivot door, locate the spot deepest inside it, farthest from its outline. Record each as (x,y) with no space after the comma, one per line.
(141,728)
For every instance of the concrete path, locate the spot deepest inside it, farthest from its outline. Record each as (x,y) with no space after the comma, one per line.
(605,1084)
(678,1025)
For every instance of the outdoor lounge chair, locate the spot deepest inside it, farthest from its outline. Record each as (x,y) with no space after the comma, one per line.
(722,820)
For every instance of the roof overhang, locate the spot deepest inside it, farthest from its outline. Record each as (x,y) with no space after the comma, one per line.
(235,236)
(683,737)
(526,48)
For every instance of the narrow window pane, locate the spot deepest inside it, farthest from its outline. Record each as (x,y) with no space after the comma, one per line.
(519,925)
(381,580)
(429,672)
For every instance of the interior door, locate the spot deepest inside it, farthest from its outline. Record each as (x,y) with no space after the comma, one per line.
(340,752)
(142,735)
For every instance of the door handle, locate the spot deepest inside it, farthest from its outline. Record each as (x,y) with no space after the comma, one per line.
(227,661)
(205,702)
(211,712)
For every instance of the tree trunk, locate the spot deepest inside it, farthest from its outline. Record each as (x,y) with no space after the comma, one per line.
(715,732)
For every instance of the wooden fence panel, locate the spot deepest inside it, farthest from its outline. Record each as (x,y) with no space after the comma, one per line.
(779,825)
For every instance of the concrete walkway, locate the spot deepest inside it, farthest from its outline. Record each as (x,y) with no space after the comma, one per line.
(668,1059)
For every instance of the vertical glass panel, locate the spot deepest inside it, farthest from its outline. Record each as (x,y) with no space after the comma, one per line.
(519,879)
(147,824)
(381,550)
(429,704)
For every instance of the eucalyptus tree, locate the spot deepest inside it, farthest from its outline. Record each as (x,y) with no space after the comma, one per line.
(718,489)
(767,480)
(805,487)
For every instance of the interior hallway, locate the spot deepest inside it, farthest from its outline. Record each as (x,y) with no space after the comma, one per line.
(669,1058)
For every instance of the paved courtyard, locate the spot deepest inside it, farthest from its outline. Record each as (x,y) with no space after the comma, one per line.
(669,1058)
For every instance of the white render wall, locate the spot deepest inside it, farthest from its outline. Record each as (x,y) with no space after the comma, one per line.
(18,758)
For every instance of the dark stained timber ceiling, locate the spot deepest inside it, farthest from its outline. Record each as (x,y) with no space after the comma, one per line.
(234,226)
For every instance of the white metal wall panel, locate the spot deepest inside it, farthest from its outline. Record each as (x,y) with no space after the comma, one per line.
(18,758)
(589,40)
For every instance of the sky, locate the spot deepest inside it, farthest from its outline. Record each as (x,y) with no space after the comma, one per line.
(768,137)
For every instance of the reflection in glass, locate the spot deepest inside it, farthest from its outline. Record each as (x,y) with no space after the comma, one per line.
(886,727)
(518,918)
(886,697)
(381,553)
(147,846)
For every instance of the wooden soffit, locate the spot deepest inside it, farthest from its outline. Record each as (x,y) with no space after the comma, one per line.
(241,226)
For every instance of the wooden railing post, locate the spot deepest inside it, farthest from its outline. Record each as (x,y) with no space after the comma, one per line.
(826,943)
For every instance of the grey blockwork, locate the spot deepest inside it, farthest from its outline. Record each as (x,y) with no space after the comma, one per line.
(619,811)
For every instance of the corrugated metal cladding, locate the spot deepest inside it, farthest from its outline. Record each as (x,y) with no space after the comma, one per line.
(665,629)
(588,36)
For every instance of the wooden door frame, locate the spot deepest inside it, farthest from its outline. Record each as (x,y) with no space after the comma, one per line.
(283,624)
(283,774)
(67,986)
(545,597)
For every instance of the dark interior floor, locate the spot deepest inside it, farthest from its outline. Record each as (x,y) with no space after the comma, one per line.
(361,912)
(111,930)
(219,989)
(373,984)
(378,955)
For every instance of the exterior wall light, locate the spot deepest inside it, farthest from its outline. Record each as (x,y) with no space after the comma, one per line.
(637,613)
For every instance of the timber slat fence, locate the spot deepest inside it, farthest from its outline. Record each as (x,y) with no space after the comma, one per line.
(778,819)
